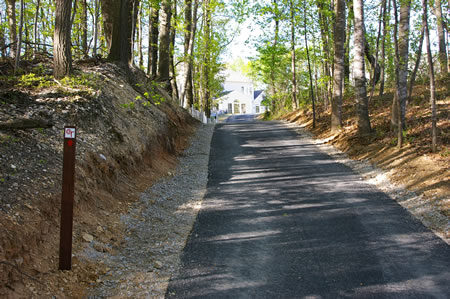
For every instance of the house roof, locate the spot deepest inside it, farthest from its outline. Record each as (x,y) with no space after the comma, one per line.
(257,93)
(225,92)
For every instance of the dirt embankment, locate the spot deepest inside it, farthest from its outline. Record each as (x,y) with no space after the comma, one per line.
(413,167)
(127,137)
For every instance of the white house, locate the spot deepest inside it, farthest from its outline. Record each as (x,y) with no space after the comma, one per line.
(239,96)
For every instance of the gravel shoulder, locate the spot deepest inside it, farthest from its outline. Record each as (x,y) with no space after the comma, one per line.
(157,227)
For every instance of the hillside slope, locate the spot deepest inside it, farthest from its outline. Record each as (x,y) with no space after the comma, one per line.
(127,137)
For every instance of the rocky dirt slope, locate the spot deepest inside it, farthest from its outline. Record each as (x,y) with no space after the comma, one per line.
(128,136)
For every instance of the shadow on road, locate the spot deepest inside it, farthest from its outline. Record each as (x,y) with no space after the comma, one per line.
(282,220)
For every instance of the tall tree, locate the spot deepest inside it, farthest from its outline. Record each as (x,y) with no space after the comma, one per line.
(164,43)
(386,11)
(153,39)
(276,17)
(207,57)
(377,69)
(19,41)
(84,28)
(311,87)
(122,34)
(11,12)
(187,35)
(95,25)
(338,72)
(294,79)
(417,64)
(172,69)
(326,36)
(62,54)
(402,51)
(35,28)
(359,70)
(441,34)
(189,49)
(432,81)
(108,9)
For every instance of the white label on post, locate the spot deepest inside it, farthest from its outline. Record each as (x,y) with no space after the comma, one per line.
(69,133)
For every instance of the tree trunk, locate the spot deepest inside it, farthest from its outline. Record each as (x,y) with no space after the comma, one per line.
(95,29)
(402,65)
(325,36)
(372,60)
(153,41)
(62,54)
(338,71)
(140,38)
(273,58)
(122,37)
(347,43)
(187,35)
(84,31)
(417,64)
(188,86)
(35,28)
(19,41)
(383,47)
(172,70)
(309,70)
(11,12)
(134,18)
(2,43)
(441,34)
(108,10)
(359,70)
(164,44)
(432,80)
(375,74)
(293,62)
(207,57)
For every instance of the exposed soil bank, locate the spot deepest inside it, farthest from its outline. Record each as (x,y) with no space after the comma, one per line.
(127,138)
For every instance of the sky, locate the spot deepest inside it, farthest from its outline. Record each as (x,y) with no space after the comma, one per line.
(239,47)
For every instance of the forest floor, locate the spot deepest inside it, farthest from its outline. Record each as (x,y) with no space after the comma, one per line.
(420,179)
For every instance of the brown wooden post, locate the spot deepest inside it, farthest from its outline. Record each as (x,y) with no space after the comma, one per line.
(65,243)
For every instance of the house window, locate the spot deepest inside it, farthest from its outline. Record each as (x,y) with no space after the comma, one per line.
(230,108)
(257,109)
(242,89)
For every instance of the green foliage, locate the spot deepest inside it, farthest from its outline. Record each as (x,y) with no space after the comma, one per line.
(32,80)
(130,105)
(81,80)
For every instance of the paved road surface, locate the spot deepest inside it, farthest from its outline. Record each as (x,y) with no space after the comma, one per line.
(282,220)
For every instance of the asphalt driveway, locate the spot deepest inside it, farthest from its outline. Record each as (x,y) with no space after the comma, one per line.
(283,220)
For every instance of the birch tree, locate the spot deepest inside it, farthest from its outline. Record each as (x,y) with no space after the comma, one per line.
(338,71)
(441,35)
(11,13)
(359,70)
(432,80)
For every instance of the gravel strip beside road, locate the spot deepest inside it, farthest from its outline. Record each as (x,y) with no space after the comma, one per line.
(420,207)
(158,226)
